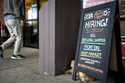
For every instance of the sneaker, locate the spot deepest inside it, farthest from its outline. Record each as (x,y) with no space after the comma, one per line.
(17,57)
(1,52)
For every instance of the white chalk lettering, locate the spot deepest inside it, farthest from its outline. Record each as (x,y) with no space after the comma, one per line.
(91,48)
(96,23)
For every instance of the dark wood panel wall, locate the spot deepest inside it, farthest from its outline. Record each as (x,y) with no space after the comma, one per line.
(66,30)
(59,25)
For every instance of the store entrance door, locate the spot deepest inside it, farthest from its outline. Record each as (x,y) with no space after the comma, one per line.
(30,30)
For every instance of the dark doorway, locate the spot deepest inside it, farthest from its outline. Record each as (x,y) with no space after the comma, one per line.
(31,28)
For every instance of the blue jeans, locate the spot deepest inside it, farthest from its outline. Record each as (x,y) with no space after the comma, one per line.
(14,28)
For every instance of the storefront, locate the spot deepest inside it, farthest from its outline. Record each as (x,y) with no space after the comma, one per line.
(54,29)
(62,23)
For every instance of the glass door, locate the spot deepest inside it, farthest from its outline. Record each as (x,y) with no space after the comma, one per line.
(30,31)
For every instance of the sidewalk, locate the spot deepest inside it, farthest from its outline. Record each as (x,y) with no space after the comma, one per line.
(27,70)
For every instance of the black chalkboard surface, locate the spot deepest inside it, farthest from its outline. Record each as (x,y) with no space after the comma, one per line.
(95,38)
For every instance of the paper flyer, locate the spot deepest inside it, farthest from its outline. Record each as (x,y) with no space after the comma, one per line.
(91,3)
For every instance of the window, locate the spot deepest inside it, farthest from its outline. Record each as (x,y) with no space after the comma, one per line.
(31,29)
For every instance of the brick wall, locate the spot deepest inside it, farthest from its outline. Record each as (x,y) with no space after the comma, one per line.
(122,15)
(122,7)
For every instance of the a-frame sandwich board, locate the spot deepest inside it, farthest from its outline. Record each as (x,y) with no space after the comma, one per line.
(99,20)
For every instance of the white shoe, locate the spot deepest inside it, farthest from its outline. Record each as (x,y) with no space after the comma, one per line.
(17,57)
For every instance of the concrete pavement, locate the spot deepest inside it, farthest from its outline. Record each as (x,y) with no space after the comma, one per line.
(27,70)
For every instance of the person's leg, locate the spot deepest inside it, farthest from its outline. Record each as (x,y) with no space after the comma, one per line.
(10,24)
(17,46)
(18,41)
(8,42)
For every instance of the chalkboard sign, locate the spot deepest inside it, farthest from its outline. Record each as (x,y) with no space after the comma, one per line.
(95,38)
